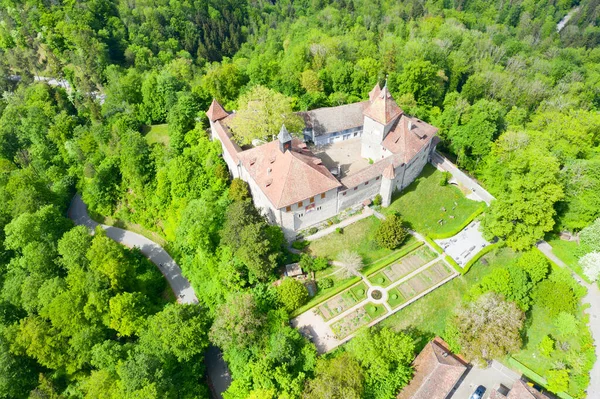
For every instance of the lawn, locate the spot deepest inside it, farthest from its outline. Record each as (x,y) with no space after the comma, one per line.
(359,237)
(530,356)
(428,315)
(422,205)
(568,252)
(156,134)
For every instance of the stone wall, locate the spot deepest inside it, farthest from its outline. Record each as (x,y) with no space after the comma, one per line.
(358,194)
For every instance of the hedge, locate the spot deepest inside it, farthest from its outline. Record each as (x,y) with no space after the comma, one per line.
(325,297)
(439,236)
(535,377)
(478,256)
(380,264)
(435,246)
(454,264)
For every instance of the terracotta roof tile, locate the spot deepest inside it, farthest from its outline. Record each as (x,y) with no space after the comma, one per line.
(383,108)
(289,177)
(216,111)
(225,137)
(372,171)
(437,370)
(402,140)
(519,390)
(374,92)
(388,172)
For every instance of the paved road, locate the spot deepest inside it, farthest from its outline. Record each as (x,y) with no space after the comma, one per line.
(180,285)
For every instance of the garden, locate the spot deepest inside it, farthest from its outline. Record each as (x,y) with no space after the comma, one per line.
(447,210)
(343,301)
(419,283)
(356,319)
(406,265)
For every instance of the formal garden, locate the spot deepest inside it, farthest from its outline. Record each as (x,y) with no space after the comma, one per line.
(357,318)
(403,267)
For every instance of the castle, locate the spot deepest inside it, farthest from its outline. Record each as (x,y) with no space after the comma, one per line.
(358,151)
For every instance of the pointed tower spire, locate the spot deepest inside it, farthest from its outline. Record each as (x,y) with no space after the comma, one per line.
(383,108)
(285,139)
(374,92)
(216,111)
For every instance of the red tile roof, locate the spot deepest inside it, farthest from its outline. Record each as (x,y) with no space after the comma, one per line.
(388,172)
(383,108)
(519,390)
(437,370)
(374,92)
(289,177)
(216,111)
(225,137)
(402,140)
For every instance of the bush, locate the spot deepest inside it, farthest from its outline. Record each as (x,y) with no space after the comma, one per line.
(444,178)
(377,200)
(339,230)
(555,297)
(306,262)
(325,283)
(312,230)
(292,294)
(547,346)
(239,190)
(320,263)
(299,245)
(390,233)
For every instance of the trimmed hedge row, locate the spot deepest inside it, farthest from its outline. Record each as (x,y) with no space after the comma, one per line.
(439,236)
(322,299)
(454,264)
(478,256)
(435,246)
(380,264)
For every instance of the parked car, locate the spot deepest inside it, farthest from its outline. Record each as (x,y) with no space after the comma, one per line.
(478,394)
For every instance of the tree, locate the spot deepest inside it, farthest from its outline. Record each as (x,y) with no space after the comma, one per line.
(237,323)
(527,186)
(558,380)
(590,263)
(261,114)
(128,313)
(337,378)
(239,190)
(385,357)
(177,330)
(535,264)
(390,233)
(421,78)
(590,236)
(555,297)
(489,328)
(351,262)
(511,282)
(292,294)
(546,346)
(566,325)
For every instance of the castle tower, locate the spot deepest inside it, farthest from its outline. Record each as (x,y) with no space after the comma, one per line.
(285,139)
(380,117)
(387,185)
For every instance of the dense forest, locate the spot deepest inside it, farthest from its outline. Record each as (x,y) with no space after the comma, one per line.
(516,102)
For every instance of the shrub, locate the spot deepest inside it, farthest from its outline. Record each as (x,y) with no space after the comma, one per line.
(300,244)
(547,346)
(312,230)
(444,178)
(239,190)
(390,233)
(555,297)
(292,294)
(558,380)
(306,262)
(377,200)
(320,263)
(325,283)
(339,230)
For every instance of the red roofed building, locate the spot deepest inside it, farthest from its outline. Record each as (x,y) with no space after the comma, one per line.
(437,370)
(294,186)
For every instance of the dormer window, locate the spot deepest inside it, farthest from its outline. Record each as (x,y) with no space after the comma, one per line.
(252,161)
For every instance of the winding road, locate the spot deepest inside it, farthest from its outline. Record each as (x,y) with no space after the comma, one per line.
(216,368)
(180,285)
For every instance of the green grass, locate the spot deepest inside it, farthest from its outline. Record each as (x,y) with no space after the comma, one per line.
(407,246)
(568,252)
(421,203)
(395,302)
(429,314)
(339,285)
(359,237)
(531,357)
(423,253)
(156,134)
(374,310)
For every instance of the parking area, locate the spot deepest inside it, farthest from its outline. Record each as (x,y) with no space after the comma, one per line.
(465,245)
(490,378)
